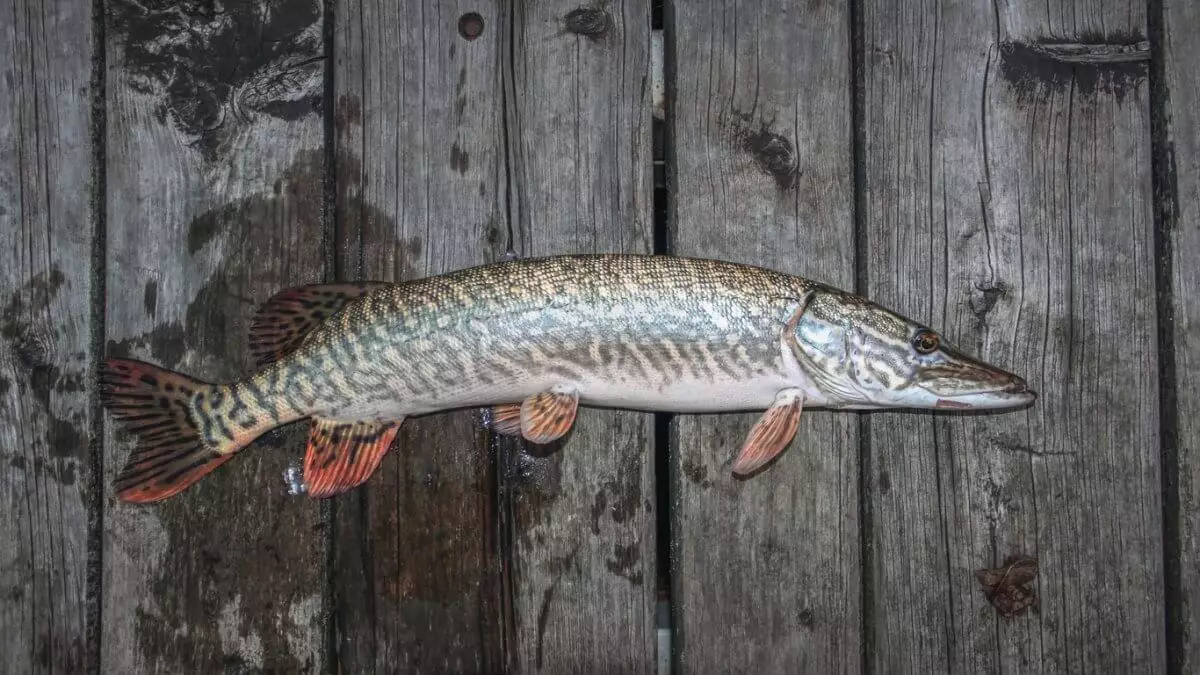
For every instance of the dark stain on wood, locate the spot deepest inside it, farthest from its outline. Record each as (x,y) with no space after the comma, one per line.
(150,298)
(298,189)
(348,111)
(1114,65)
(405,579)
(164,345)
(374,231)
(460,99)
(460,161)
(204,229)
(32,348)
(61,472)
(599,506)
(626,562)
(884,482)
(535,484)
(773,153)
(67,438)
(34,294)
(696,472)
(543,617)
(215,67)
(219,617)
(626,490)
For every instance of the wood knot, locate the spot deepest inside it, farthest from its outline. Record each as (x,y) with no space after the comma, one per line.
(470,25)
(774,153)
(32,351)
(588,21)
(985,296)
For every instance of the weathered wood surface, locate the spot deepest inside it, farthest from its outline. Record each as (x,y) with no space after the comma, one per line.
(1006,197)
(766,570)
(215,177)
(420,191)
(46,392)
(1008,200)
(583,513)
(1179,190)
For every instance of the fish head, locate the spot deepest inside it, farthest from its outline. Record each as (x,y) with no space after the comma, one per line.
(863,355)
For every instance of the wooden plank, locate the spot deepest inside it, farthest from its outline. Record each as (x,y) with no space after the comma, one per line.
(1179,188)
(1008,202)
(766,571)
(46,237)
(420,192)
(583,520)
(215,174)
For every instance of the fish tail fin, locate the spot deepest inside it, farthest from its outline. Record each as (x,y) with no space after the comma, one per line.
(159,407)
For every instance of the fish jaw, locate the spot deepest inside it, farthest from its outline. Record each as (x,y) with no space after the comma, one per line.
(966,383)
(1012,395)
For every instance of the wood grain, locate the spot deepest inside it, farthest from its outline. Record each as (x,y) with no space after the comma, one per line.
(1179,188)
(214,182)
(46,238)
(419,192)
(1008,203)
(765,571)
(583,513)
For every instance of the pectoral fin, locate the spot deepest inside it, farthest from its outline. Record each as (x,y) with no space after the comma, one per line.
(343,456)
(772,434)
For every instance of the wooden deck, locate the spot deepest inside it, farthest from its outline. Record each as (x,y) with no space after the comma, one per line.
(1024,175)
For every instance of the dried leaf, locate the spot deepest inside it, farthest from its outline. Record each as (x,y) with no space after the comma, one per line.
(1007,587)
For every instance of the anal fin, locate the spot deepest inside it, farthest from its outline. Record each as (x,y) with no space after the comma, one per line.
(341,456)
(548,416)
(772,433)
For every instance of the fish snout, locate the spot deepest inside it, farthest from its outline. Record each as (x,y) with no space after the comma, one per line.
(986,387)
(1018,388)
(1015,384)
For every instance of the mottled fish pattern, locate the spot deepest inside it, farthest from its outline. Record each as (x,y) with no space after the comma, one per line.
(532,340)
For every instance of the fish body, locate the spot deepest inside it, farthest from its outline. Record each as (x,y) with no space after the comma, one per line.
(533,339)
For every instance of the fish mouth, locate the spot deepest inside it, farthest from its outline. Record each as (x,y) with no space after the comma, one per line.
(1013,393)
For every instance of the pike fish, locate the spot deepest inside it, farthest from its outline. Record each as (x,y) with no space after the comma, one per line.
(531,340)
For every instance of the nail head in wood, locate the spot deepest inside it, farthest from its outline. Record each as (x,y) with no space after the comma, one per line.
(470,25)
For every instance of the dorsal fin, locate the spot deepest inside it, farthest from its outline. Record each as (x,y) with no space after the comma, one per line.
(289,316)
(343,455)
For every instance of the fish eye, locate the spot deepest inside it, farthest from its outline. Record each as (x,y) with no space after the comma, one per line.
(926,341)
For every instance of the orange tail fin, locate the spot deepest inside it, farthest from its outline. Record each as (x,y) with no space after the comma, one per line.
(156,405)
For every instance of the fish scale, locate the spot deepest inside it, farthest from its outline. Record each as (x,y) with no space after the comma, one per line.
(536,338)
